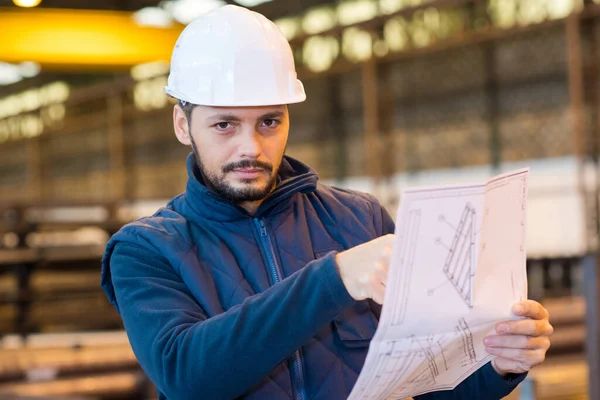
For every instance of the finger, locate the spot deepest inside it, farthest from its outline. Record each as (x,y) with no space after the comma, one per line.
(380,272)
(527,358)
(377,289)
(378,294)
(390,238)
(378,298)
(387,252)
(386,240)
(528,327)
(531,309)
(517,342)
(385,258)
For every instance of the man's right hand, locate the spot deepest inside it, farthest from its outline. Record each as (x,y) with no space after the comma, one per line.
(364,268)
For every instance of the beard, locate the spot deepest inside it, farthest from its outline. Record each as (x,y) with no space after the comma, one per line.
(218,182)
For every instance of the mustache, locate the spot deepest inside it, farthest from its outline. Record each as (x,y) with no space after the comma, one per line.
(243,164)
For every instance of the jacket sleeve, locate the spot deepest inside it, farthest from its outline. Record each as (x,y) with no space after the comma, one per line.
(184,352)
(384,223)
(484,384)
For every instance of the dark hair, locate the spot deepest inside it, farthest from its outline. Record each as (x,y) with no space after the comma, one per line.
(187,108)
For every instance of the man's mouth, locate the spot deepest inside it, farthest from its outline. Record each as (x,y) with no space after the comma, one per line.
(249,173)
(248,170)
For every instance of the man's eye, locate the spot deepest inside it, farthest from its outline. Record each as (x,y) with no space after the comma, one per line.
(223,125)
(271,123)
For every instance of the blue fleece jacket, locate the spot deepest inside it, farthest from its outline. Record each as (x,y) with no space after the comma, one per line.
(221,304)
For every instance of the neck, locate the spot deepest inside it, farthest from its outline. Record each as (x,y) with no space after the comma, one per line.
(250,206)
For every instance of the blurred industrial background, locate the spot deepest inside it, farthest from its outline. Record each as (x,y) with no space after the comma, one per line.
(400,93)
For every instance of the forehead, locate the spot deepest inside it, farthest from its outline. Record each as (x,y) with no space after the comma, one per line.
(240,113)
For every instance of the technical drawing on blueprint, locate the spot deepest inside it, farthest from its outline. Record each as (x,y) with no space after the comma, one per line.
(457,267)
(460,263)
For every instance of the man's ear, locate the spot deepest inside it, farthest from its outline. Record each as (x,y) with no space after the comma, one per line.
(181,126)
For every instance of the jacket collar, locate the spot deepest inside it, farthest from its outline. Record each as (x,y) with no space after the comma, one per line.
(202,203)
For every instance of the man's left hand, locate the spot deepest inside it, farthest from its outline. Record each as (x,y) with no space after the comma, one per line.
(521,344)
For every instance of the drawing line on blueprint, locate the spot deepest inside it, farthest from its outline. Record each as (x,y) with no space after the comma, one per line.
(410,234)
(430,357)
(460,264)
(512,284)
(395,358)
(523,194)
(467,340)
(461,339)
(439,343)
(423,359)
(431,291)
(431,364)
(422,377)
(406,358)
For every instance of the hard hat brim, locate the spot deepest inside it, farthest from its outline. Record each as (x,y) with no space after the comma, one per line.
(292,100)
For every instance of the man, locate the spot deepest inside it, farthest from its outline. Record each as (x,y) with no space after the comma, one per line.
(257,282)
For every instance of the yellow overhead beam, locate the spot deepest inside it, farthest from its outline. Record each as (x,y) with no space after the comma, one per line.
(81,39)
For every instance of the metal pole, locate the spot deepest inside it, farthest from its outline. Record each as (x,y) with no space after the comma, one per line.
(116,145)
(591,283)
(389,152)
(34,166)
(371,119)
(590,76)
(491,90)
(590,267)
(576,92)
(339,129)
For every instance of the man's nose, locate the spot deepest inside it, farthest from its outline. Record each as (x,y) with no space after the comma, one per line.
(250,145)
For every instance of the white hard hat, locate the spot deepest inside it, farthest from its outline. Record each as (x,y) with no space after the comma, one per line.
(232,56)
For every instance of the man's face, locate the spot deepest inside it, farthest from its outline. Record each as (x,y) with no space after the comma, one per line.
(239,149)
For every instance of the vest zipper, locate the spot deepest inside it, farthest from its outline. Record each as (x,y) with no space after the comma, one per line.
(297,375)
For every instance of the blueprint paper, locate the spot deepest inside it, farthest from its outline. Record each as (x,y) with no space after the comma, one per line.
(457,267)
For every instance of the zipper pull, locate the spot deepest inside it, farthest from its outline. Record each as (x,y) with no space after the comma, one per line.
(263,228)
